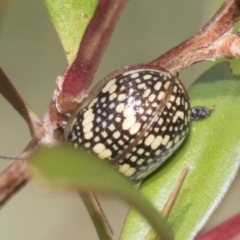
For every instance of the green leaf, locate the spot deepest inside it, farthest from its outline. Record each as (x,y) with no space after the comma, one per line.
(211,150)
(66,167)
(70,18)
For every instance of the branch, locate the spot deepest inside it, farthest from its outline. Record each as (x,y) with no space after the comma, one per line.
(212,41)
(95,40)
(15,176)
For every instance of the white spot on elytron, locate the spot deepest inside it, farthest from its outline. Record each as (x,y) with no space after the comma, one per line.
(185,121)
(131,90)
(88,135)
(112,89)
(87,120)
(104,124)
(138,102)
(126,137)
(160,95)
(103,99)
(130,100)
(135,128)
(122,87)
(109,141)
(140,151)
(144,118)
(147,76)
(172,98)
(96,139)
(178,114)
(124,168)
(112,96)
(154,105)
(146,93)
(133,158)
(105,154)
(128,111)
(75,145)
(167,84)
(164,112)
(141,110)
(109,85)
(178,101)
(157,86)
(169,145)
(138,80)
(147,154)
(186,105)
(97,129)
(169,105)
(88,112)
(98,120)
(121,142)
(88,127)
(140,161)
(149,111)
(120,107)
(130,172)
(122,97)
(93,102)
(165,139)
(160,121)
(142,86)
(128,122)
(110,117)
(170,128)
(163,128)
(116,134)
(112,105)
(99,147)
(157,153)
(135,75)
(87,145)
(104,134)
(111,127)
(175,89)
(118,119)
(152,97)
(156,142)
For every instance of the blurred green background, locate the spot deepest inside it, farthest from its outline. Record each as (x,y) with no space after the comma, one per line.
(32,57)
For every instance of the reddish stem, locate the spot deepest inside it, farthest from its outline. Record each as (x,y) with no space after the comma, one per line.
(97,35)
(203,45)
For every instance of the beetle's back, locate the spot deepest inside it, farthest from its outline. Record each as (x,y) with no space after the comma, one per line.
(136,120)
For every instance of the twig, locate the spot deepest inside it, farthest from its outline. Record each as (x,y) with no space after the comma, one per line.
(97,216)
(212,41)
(15,175)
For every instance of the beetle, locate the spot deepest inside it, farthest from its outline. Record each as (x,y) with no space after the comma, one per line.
(135,118)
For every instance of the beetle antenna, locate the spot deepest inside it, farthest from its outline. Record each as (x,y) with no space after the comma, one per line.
(10,158)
